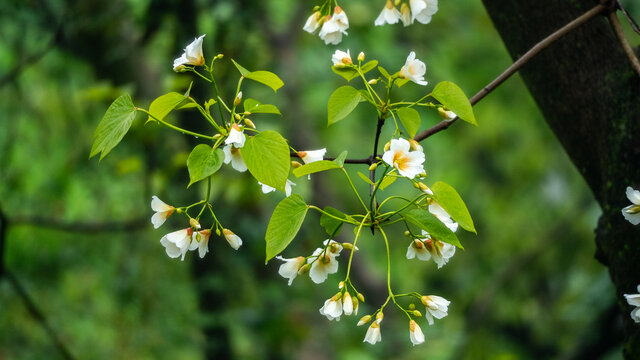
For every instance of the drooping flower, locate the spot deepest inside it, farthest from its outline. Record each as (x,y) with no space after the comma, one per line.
(232,155)
(347,304)
(388,15)
(310,156)
(423,10)
(236,137)
(334,27)
(436,307)
(313,23)
(192,55)
(163,211)
(632,212)
(443,216)
(332,307)
(324,262)
(408,163)
(405,15)
(426,248)
(233,239)
(634,300)
(414,70)
(340,59)
(415,333)
(373,333)
(289,270)
(287,187)
(202,239)
(177,243)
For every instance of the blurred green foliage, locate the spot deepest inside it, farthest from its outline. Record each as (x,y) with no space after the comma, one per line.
(527,286)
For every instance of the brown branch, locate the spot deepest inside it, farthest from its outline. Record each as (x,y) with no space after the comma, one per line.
(38,315)
(374,153)
(537,48)
(80,227)
(615,24)
(632,22)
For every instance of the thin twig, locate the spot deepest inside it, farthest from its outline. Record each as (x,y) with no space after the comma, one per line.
(615,24)
(631,21)
(537,48)
(80,227)
(38,315)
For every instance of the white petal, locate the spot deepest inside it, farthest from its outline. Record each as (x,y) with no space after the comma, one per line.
(632,218)
(633,299)
(158,219)
(633,195)
(172,250)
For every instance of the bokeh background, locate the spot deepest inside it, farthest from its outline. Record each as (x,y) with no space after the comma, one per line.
(77,235)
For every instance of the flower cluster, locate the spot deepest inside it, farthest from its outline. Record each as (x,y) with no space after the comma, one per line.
(426,247)
(417,10)
(319,264)
(634,300)
(332,27)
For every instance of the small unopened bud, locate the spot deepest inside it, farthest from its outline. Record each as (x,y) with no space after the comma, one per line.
(416,185)
(373,166)
(379,317)
(217,231)
(364,320)
(361,56)
(194,224)
(304,269)
(373,81)
(238,99)
(249,123)
(295,164)
(415,145)
(407,233)
(424,188)
(219,56)
(340,285)
(302,154)
(360,297)
(422,175)
(446,114)
(347,246)
(179,211)
(246,113)
(316,8)
(416,313)
(397,2)
(412,307)
(387,146)
(217,136)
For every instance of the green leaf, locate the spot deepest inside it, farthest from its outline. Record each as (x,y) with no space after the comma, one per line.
(164,104)
(264,77)
(369,66)
(365,178)
(401,81)
(410,119)
(267,158)
(384,72)
(314,167)
(388,180)
(331,225)
(254,106)
(340,159)
(447,197)
(114,125)
(203,162)
(454,99)
(429,223)
(284,224)
(346,72)
(342,102)
(242,70)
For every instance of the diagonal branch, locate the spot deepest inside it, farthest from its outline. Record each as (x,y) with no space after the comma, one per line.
(617,29)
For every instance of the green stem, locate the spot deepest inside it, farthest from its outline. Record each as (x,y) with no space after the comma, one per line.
(369,88)
(184,131)
(332,216)
(355,241)
(215,89)
(375,190)
(386,243)
(354,189)
(405,206)
(200,75)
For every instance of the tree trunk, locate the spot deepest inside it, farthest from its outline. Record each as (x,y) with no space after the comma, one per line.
(590,97)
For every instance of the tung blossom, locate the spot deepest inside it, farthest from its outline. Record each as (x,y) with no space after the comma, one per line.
(405,15)
(426,248)
(232,155)
(634,300)
(373,334)
(334,27)
(340,59)
(236,136)
(632,212)
(163,211)
(443,216)
(388,15)
(408,163)
(192,55)
(415,333)
(422,10)
(177,243)
(332,308)
(289,270)
(310,156)
(324,262)
(234,240)
(313,23)
(436,307)
(202,239)
(414,70)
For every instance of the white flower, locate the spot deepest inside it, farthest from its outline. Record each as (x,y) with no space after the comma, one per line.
(414,69)
(632,212)
(236,137)
(334,27)
(373,333)
(324,262)
(422,10)
(310,156)
(289,270)
(163,211)
(312,23)
(426,249)
(347,304)
(408,163)
(405,15)
(389,15)
(634,300)
(233,239)
(202,239)
(332,308)
(437,307)
(232,155)
(287,187)
(415,333)
(443,216)
(450,114)
(340,59)
(192,55)
(178,243)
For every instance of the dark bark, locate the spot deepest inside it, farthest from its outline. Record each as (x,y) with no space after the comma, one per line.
(590,97)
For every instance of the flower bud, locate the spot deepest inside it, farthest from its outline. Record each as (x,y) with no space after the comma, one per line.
(416,185)
(217,136)
(360,297)
(295,164)
(416,313)
(387,146)
(302,154)
(340,284)
(347,246)
(373,166)
(246,113)
(304,269)
(217,231)
(422,175)
(361,56)
(407,233)
(379,317)
(424,188)
(237,117)
(412,307)
(238,99)
(364,320)
(397,2)
(249,123)
(373,81)
(179,211)
(219,56)
(194,224)
(415,145)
